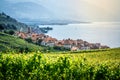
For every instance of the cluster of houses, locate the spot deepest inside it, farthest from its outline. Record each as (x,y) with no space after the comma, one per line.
(71,44)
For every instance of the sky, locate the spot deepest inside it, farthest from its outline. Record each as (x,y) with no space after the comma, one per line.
(83,10)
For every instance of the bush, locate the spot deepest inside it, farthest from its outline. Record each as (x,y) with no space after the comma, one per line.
(29,40)
(7,27)
(39,42)
(11,32)
(3,48)
(60,48)
(2,26)
(23,49)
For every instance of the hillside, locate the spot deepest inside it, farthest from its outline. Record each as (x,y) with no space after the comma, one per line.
(11,43)
(7,22)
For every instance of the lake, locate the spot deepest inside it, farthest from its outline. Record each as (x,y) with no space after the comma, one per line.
(106,33)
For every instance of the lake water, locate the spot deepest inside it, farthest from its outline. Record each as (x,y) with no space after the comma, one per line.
(106,33)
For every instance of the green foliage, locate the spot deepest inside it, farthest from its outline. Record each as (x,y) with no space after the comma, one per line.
(2,26)
(38,42)
(11,32)
(29,40)
(7,27)
(47,49)
(37,66)
(23,49)
(60,48)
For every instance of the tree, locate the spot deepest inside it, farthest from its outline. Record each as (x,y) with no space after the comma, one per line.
(2,26)
(3,14)
(8,17)
(14,27)
(29,40)
(39,42)
(11,32)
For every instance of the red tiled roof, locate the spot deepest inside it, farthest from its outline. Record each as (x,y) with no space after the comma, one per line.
(22,35)
(68,42)
(50,39)
(59,43)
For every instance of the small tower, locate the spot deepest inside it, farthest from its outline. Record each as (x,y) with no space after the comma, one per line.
(29,29)
(21,29)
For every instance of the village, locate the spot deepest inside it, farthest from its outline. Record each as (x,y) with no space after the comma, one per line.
(46,40)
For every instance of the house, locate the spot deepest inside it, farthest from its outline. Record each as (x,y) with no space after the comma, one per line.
(85,48)
(21,35)
(59,43)
(42,36)
(86,44)
(34,37)
(104,47)
(49,41)
(94,45)
(74,48)
(80,42)
(68,43)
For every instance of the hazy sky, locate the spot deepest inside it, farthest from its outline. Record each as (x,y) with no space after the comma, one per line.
(91,10)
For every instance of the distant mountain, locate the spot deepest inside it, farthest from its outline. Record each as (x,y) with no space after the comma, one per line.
(32,13)
(7,22)
(25,10)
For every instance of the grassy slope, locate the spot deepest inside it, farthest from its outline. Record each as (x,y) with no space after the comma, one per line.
(8,42)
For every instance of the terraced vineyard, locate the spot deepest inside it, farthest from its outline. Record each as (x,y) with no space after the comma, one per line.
(13,43)
(82,65)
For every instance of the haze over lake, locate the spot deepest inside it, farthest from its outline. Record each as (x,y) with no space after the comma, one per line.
(107,33)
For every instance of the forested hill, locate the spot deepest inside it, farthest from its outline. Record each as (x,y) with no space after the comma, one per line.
(7,22)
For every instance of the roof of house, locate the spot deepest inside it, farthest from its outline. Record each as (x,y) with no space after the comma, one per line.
(42,36)
(68,42)
(80,41)
(49,39)
(59,43)
(74,48)
(22,35)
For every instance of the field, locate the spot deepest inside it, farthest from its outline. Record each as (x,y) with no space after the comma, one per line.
(80,65)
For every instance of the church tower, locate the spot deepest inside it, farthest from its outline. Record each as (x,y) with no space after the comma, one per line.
(29,29)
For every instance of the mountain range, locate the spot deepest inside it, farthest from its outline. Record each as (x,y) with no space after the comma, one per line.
(25,10)
(29,12)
